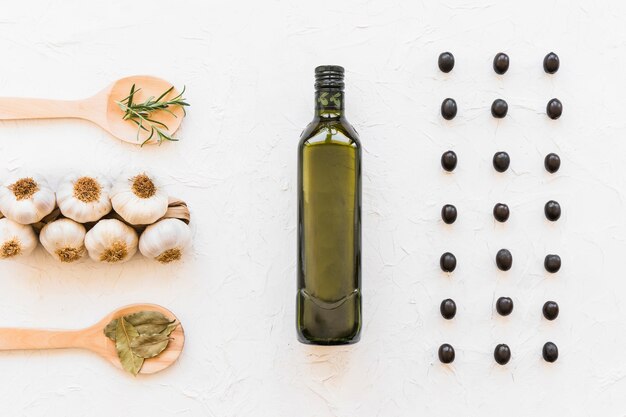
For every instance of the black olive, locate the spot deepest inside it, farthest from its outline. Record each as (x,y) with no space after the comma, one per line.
(501,212)
(448,213)
(448,109)
(551,63)
(501,63)
(550,310)
(448,161)
(504,259)
(446,61)
(499,108)
(552,163)
(552,210)
(447,262)
(448,309)
(501,161)
(504,306)
(550,352)
(554,109)
(552,263)
(446,353)
(502,354)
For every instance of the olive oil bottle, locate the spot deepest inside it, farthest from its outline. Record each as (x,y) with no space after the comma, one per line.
(329,219)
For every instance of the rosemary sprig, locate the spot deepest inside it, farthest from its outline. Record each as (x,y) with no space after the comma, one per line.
(141,113)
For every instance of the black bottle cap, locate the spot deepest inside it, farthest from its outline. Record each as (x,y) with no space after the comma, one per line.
(329,76)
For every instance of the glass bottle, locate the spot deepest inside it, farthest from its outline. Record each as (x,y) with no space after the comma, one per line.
(329,219)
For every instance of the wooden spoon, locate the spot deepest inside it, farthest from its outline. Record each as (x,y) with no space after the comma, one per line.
(100,109)
(93,339)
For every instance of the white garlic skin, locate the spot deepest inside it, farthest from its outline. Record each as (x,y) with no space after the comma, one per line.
(16,239)
(109,235)
(171,235)
(64,239)
(83,211)
(135,209)
(27,210)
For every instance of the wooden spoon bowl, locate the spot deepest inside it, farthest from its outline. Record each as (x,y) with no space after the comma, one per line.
(101,108)
(149,87)
(92,338)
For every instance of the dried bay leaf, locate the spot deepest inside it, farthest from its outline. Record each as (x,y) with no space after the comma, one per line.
(125,333)
(144,324)
(170,328)
(147,317)
(110,329)
(149,346)
(149,322)
(148,329)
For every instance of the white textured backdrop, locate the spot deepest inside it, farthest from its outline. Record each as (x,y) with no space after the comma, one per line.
(248,67)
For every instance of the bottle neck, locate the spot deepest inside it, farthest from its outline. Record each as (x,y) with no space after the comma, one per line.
(329,102)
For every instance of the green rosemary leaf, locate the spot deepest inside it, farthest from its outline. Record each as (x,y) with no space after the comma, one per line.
(156,122)
(130,96)
(140,113)
(165,93)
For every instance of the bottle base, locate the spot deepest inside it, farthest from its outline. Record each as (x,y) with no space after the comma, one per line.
(328,342)
(328,324)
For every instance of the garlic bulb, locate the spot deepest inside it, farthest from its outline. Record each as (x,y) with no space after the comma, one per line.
(166,240)
(26,200)
(84,198)
(64,239)
(111,241)
(139,199)
(16,239)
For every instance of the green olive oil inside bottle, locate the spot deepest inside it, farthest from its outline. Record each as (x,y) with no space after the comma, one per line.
(329,220)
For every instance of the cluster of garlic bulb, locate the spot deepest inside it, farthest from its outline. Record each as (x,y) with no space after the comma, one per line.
(132,202)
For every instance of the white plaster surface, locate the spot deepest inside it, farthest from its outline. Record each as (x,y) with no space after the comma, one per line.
(248,67)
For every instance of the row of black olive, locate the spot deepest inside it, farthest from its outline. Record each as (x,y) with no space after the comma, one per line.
(504,261)
(504,307)
(551,62)
(501,161)
(500,108)
(501,354)
(501,212)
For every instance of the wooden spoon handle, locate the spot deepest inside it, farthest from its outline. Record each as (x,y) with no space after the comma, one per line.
(34,108)
(17,339)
